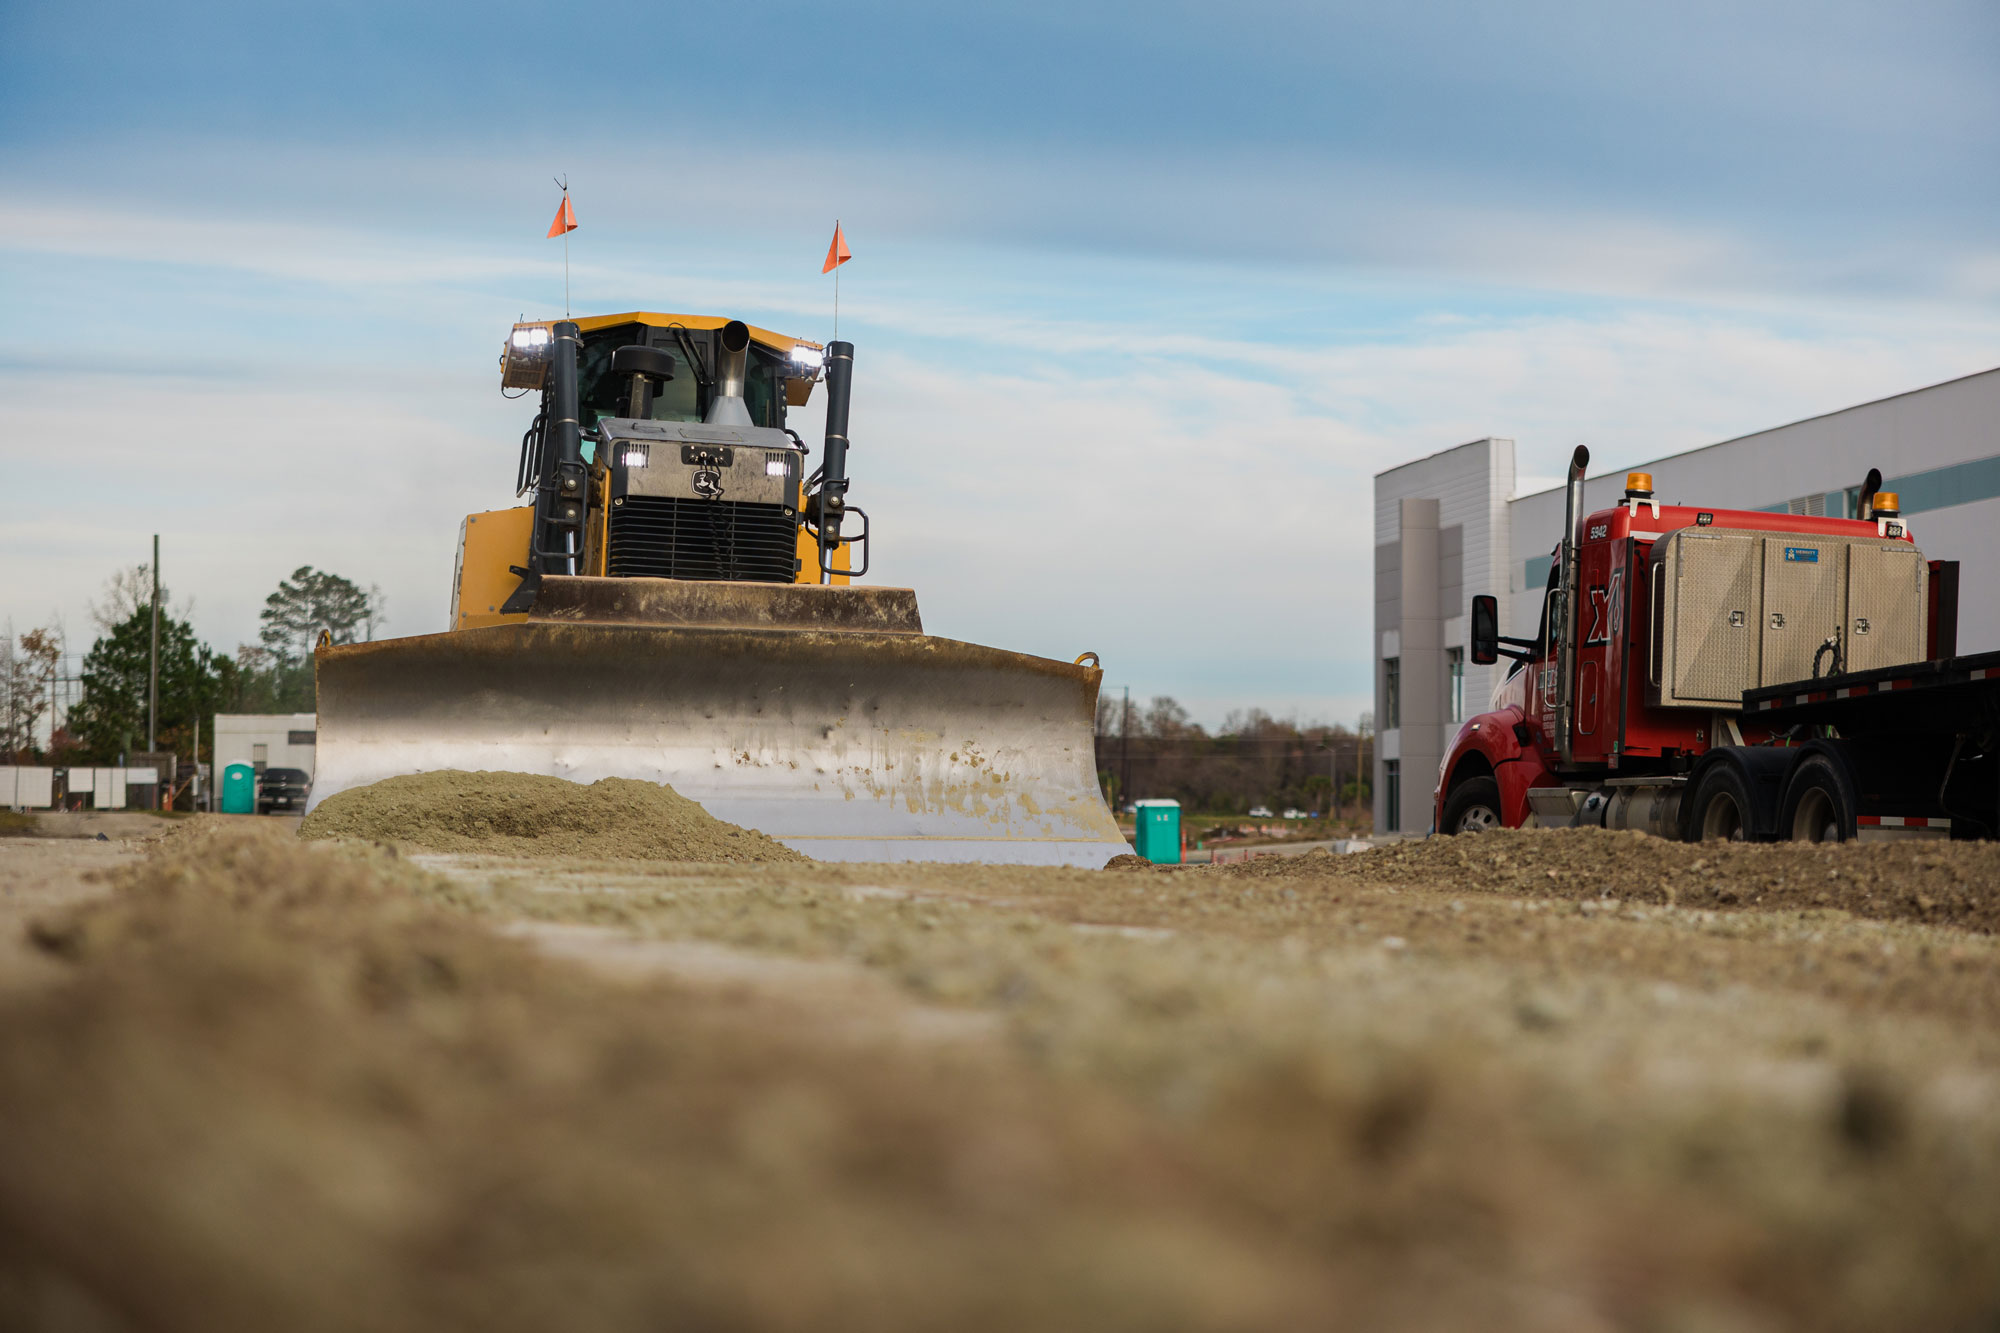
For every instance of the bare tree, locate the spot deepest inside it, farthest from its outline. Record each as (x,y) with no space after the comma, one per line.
(375,614)
(125,593)
(28,671)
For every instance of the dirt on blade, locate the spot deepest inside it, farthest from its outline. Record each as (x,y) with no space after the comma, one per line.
(526,814)
(1940,883)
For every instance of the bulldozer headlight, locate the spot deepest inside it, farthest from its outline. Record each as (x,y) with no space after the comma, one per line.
(775,468)
(808,358)
(525,357)
(635,455)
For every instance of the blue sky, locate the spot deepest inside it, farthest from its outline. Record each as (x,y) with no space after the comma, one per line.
(1143,295)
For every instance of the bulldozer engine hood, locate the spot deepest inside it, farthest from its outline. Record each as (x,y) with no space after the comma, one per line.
(692,460)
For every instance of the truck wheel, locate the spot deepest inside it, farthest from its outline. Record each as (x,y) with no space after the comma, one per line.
(1818,805)
(1722,808)
(1473,807)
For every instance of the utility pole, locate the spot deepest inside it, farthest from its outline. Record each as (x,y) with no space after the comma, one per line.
(153,672)
(54,676)
(1330,742)
(1125,750)
(1333,774)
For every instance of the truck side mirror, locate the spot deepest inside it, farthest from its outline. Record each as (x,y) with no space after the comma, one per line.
(1485,630)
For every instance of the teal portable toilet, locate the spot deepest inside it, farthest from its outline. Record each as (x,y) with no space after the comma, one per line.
(239,790)
(1158,837)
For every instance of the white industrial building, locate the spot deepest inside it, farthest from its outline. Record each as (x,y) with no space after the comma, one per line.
(265,740)
(1449,526)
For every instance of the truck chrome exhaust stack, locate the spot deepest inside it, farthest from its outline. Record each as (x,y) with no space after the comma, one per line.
(732,360)
(1563,622)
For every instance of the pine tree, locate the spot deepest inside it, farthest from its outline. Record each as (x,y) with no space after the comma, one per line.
(312,601)
(195,681)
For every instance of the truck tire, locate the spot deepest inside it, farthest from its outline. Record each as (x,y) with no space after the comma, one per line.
(1722,808)
(1472,807)
(1819,802)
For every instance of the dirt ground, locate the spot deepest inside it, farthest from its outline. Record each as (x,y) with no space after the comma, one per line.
(1522,1081)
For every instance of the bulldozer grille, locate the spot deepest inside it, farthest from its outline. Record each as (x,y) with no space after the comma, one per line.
(667,537)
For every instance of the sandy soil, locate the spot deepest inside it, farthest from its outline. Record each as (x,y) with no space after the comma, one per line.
(534,815)
(1594,1083)
(120,825)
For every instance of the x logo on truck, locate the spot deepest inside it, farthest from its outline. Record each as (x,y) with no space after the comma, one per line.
(1603,610)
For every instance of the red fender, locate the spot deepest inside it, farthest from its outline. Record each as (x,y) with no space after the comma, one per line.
(1516,767)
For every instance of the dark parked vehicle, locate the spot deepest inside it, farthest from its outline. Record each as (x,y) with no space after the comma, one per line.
(282,790)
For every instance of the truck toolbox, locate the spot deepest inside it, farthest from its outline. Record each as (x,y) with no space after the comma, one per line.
(1738,610)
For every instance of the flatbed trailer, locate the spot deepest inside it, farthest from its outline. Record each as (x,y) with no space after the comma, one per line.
(1909,750)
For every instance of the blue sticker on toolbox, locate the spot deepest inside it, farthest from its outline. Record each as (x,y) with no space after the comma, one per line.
(1804,554)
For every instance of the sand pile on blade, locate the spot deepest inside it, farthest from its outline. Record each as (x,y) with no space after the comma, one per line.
(527,814)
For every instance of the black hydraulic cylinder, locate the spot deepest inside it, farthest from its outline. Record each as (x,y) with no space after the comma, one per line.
(559,533)
(831,498)
(555,543)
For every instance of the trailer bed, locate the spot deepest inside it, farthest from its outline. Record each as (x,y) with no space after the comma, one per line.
(1955,694)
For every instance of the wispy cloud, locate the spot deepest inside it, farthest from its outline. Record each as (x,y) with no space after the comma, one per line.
(440,212)
(1187,499)
(1144,298)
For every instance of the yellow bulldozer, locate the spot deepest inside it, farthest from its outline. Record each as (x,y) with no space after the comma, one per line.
(677,603)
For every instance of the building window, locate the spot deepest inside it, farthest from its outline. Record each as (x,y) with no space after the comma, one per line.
(1455,682)
(1392,795)
(1535,572)
(300,737)
(1392,693)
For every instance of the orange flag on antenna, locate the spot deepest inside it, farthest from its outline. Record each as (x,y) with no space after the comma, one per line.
(837,253)
(565,219)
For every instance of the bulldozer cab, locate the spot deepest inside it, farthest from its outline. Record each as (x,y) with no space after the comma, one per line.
(780,371)
(660,450)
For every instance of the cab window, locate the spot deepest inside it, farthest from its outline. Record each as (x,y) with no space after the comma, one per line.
(1542,629)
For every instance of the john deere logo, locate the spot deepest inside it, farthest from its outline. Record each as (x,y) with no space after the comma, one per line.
(708,484)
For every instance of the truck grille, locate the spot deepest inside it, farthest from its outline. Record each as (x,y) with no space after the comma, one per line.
(665,537)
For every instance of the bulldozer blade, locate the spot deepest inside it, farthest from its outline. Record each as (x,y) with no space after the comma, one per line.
(847,746)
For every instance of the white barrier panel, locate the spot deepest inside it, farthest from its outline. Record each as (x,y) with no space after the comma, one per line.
(107,788)
(24,788)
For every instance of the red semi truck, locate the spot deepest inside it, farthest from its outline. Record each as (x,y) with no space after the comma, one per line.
(1721,673)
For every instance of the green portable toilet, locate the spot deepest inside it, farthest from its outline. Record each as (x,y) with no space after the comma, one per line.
(239,790)
(1159,832)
